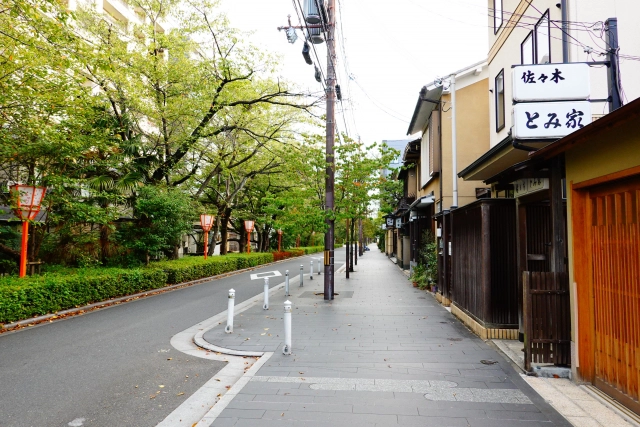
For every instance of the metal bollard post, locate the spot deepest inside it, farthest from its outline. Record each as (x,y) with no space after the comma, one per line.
(287,328)
(319,268)
(286,283)
(232,298)
(301,275)
(311,271)
(265,306)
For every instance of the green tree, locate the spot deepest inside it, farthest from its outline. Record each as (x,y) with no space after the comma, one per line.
(161,216)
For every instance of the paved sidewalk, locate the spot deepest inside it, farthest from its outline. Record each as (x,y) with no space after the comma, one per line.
(381,354)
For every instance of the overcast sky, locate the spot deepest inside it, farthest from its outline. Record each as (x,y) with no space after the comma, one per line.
(391,50)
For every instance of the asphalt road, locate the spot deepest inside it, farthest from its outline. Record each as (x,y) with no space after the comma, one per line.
(115,366)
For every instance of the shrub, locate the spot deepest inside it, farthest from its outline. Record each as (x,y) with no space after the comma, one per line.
(37,295)
(193,268)
(63,288)
(312,249)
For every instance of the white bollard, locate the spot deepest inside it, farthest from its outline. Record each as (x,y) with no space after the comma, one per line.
(287,328)
(311,271)
(286,283)
(319,268)
(301,275)
(230,306)
(265,306)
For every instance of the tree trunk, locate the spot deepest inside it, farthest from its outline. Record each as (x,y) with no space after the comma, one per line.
(224,235)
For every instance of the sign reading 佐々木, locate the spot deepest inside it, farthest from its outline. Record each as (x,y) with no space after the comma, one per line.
(540,120)
(551,82)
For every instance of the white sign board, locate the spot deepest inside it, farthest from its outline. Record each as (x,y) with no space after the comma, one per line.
(389,222)
(398,222)
(541,120)
(551,82)
(525,186)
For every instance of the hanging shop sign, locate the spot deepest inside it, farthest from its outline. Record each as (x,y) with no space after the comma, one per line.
(541,120)
(398,222)
(551,82)
(390,222)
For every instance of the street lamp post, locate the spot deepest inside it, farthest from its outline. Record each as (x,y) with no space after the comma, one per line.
(279,239)
(206,221)
(248,227)
(27,201)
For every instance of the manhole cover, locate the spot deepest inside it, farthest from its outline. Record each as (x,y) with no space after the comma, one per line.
(454,339)
(488,362)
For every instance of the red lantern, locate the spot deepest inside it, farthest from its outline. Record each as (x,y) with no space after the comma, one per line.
(206,222)
(248,227)
(27,201)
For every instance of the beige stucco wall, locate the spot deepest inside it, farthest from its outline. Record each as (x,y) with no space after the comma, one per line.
(472,139)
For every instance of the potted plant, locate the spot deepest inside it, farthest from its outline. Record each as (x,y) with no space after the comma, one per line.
(418,276)
(429,256)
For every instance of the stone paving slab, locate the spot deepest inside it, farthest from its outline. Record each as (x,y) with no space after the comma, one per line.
(381,357)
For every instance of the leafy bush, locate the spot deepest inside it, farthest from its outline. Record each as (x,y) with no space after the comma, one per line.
(37,295)
(312,249)
(193,268)
(63,288)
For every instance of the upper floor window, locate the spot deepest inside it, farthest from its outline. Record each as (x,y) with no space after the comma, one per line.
(499,94)
(536,47)
(543,40)
(497,15)
(526,50)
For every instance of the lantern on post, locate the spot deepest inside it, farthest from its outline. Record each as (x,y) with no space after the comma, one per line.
(248,227)
(279,239)
(27,200)
(206,222)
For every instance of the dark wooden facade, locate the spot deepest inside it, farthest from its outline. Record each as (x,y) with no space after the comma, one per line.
(483,262)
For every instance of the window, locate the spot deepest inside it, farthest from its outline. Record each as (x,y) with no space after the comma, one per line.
(543,40)
(526,50)
(497,15)
(499,91)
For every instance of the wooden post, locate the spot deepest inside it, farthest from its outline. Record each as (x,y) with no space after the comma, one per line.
(526,308)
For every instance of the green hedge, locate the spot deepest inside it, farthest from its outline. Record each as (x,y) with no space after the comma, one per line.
(312,249)
(67,288)
(33,296)
(193,268)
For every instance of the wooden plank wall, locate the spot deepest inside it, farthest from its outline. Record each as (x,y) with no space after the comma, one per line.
(483,261)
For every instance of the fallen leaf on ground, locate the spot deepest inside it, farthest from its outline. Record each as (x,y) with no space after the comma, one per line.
(161,386)
(171,358)
(180,394)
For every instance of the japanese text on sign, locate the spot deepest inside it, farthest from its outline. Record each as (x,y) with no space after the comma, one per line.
(550,119)
(551,82)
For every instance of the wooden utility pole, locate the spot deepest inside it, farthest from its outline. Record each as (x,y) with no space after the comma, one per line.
(330,177)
